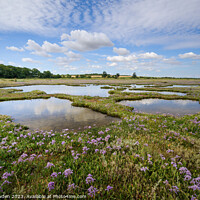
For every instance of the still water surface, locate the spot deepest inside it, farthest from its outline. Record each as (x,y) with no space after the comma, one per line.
(90,90)
(146,91)
(175,107)
(52,114)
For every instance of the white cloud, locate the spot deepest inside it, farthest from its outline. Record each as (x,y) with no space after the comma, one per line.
(65,61)
(53,48)
(30,60)
(46,48)
(73,56)
(36,48)
(151,22)
(171,61)
(1,62)
(40,17)
(95,66)
(189,55)
(121,58)
(171,23)
(81,40)
(121,51)
(12,48)
(113,64)
(151,55)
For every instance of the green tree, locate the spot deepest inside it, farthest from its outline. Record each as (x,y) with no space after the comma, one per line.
(134,75)
(104,75)
(117,75)
(36,73)
(47,74)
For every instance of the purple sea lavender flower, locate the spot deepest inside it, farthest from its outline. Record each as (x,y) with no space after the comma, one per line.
(96,150)
(51,186)
(109,188)
(71,186)
(144,169)
(107,138)
(6,175)
(6,182)
(85,148)
(136,143)
(174,164)
(67,172)
(91,191)
(53,142)
(102,151)
(194,197)
(100,132)
(63,142)
(174,189)
(20,160)
(49,165)
(184,170)
(89,179)
(24,155)
(187,178)
(54,175)
(194,187)
(162,157)
(180,163)
(169,150)
(166,182)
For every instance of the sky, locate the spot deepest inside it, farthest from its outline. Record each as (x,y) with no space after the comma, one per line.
(150,37)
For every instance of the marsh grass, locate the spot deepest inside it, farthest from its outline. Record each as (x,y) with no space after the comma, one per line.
(142,156)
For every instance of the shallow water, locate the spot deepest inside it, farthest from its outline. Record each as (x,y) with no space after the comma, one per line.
(176,107)
(170,93)
(52,114)
(90,90)
(172,86)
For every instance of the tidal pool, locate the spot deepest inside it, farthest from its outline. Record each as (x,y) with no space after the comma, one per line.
(52,114)
(175,107)
(170,93)
(172,86)
(90,90)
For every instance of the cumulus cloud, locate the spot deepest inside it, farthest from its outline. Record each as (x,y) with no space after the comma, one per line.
(30,60)
(121,51)
(81,40)
(36,48)
(189,55)
(73,56)
(121,58)
(53,48)
(46,48)
(151,55)
(12,48)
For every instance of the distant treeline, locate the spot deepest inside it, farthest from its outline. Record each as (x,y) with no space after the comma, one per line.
(8,71)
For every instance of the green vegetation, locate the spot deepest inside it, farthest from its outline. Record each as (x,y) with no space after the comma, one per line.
(8,71)
(134,75)
(143,156)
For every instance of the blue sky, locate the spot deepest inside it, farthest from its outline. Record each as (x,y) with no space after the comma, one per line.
(149,37)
